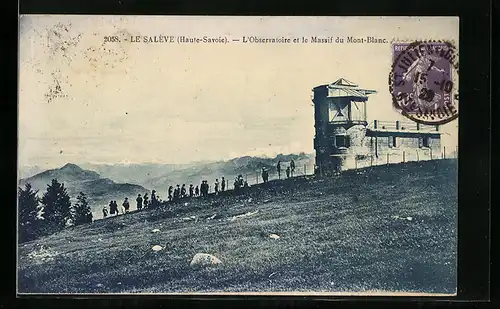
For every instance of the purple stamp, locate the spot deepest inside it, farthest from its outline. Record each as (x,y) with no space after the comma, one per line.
(424,81)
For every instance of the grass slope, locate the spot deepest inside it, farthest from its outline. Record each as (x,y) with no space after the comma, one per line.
(337,234)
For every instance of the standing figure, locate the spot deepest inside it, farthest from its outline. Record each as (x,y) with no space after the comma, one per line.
(126,205)
(278,168)
(177,193)
(196,191)
(104,211)
(204,188)
(145,203)
(191,190)
(288,172)
(216,186)
(265,175)
(154,201)
(183,191)
(236,184)
(170,190)
(223,184)
(292,167)
(112,208)
(115,208)
(139,202)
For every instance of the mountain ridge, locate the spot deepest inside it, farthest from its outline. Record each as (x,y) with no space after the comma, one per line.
(99,190)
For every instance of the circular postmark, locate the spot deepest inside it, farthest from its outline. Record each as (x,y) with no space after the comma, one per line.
(423,81)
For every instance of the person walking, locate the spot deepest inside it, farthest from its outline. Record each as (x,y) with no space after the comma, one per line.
(115,207)
(126,205)
(139,202)
(236,184)
(170,191)
(202,188)
(177,193)
(265,175)
(154,200)
(104,211)
(216,187)
(183,191)
(278,168)
(205,188)
(111,208)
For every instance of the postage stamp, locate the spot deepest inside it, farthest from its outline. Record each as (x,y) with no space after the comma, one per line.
(237,155)
(424,81)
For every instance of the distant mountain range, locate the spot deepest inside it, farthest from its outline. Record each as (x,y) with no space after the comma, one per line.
(249,167)
(99,190)
(133,173)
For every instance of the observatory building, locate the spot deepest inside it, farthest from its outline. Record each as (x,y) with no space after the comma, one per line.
(344,138)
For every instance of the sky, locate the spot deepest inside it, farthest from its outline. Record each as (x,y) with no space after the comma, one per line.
(82,100)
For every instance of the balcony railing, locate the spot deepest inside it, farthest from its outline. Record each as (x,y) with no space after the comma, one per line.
(402,126)
(349,122)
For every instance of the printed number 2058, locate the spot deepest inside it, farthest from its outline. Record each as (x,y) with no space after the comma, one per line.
(111,39)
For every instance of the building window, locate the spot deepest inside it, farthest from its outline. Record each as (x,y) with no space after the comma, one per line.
(423,142)
(392,140)
(342,141)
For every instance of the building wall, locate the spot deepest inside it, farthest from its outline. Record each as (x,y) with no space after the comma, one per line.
(409,147)
(321,121)
(367,147)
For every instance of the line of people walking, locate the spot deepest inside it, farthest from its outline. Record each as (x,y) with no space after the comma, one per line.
(290,171)
(141,202)
(181,192)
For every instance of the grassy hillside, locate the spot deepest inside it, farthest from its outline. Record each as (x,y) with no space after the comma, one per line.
(391,228)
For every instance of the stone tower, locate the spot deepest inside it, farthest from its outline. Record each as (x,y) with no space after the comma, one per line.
(340,124)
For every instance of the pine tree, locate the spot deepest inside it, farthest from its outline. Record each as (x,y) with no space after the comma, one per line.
(56,207)
(29,223)
(81,211)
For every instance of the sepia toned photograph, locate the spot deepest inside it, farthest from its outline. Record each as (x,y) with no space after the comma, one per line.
(237,155)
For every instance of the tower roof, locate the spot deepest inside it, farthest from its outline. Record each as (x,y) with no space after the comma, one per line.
(344,82)
(345,88)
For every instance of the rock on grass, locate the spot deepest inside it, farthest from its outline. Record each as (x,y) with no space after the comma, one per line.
(204,260)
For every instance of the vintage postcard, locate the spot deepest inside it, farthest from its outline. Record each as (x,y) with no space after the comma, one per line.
(237,155)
